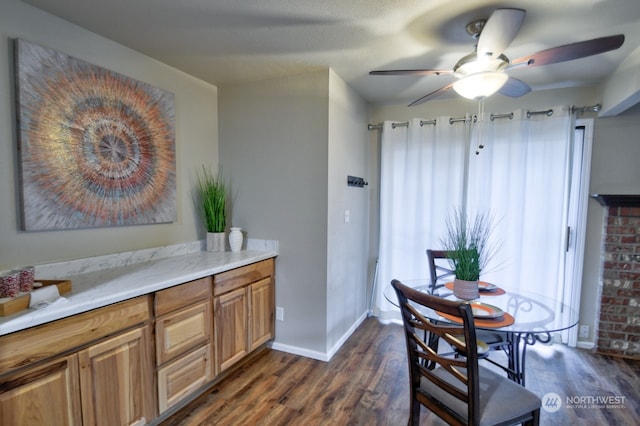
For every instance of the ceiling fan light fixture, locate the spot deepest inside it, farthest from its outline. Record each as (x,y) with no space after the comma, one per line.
(480,85)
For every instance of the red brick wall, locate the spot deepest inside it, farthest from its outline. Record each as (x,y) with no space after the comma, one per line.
(619,325)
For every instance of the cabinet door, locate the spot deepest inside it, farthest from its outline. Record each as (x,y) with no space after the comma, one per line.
(261,313)
(46,395)
(231,328)
(116,380)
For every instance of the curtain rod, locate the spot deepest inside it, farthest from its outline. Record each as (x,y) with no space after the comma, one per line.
(458,119)
(422,123)
(509,115)
(548,112)
(592,108)
(402,124)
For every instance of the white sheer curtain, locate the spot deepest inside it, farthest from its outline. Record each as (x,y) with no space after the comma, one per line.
(520,177)
(422,175)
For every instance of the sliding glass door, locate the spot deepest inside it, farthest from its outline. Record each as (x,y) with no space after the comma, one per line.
(529,175)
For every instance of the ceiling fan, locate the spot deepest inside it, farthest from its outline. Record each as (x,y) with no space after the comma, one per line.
(483,72)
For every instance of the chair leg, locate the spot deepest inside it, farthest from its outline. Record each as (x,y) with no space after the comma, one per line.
(414,413)
(535,421)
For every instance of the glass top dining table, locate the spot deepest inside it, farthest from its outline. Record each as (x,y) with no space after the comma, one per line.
(535,317)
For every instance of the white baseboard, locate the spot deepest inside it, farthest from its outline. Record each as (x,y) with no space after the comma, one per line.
(296,350)
(585,345)
(320,356)
(346,336)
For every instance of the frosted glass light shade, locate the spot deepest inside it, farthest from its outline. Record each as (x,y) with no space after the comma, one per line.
(480,85)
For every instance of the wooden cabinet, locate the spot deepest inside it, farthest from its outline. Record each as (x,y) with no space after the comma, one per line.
(184,353)
(261,313)
(46,395)
(104,379)
(48,340)
(115,379)
(244,311)
(126,363)
(231,328)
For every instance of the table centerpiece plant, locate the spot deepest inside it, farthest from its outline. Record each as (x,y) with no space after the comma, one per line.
(469,249)
(211,191)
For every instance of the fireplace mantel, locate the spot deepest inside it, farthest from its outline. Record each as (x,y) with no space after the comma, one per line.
(609,200)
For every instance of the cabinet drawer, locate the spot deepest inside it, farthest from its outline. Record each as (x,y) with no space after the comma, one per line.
(183,376)
(182,295)
(235,278)
(47,340)
(182,330)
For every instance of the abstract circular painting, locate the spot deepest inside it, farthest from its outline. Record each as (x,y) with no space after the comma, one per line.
(96,148)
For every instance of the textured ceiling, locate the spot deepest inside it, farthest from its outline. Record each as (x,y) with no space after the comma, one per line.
(230,41)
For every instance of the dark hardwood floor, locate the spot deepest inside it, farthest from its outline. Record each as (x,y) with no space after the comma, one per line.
(366,384)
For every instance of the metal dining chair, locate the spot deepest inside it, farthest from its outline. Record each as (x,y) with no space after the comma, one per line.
(439,273)
(457,390)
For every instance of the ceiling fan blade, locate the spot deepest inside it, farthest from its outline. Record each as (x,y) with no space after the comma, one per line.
(514,88)
(411,72)
(431,95)
(499,31)
(569,52)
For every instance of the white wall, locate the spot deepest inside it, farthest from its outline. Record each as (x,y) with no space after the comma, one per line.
(614,169)
(348,243)
(196,141)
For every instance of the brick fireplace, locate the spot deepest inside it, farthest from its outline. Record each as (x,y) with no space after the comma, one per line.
(619,323)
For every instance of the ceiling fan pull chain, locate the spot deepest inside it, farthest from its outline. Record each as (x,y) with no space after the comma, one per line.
(480,125)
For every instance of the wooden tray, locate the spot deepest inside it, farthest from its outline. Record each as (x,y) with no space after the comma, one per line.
(20,302)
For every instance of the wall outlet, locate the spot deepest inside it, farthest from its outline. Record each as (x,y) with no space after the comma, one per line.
(279,313)
(584,332)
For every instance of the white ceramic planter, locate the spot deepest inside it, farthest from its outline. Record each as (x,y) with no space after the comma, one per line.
(216,241)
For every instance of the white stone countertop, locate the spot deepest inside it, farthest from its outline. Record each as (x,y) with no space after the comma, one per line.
(98,288)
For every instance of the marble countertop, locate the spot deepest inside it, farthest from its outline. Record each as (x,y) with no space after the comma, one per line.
(98,288)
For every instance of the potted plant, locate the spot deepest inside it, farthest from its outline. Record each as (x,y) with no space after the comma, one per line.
(468,246)
(211,198)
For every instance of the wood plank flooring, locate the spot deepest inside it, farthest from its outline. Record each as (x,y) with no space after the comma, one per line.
(366,383)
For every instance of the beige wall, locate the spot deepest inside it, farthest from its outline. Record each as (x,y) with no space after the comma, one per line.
(273,146)
(287,145)
(196,141)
